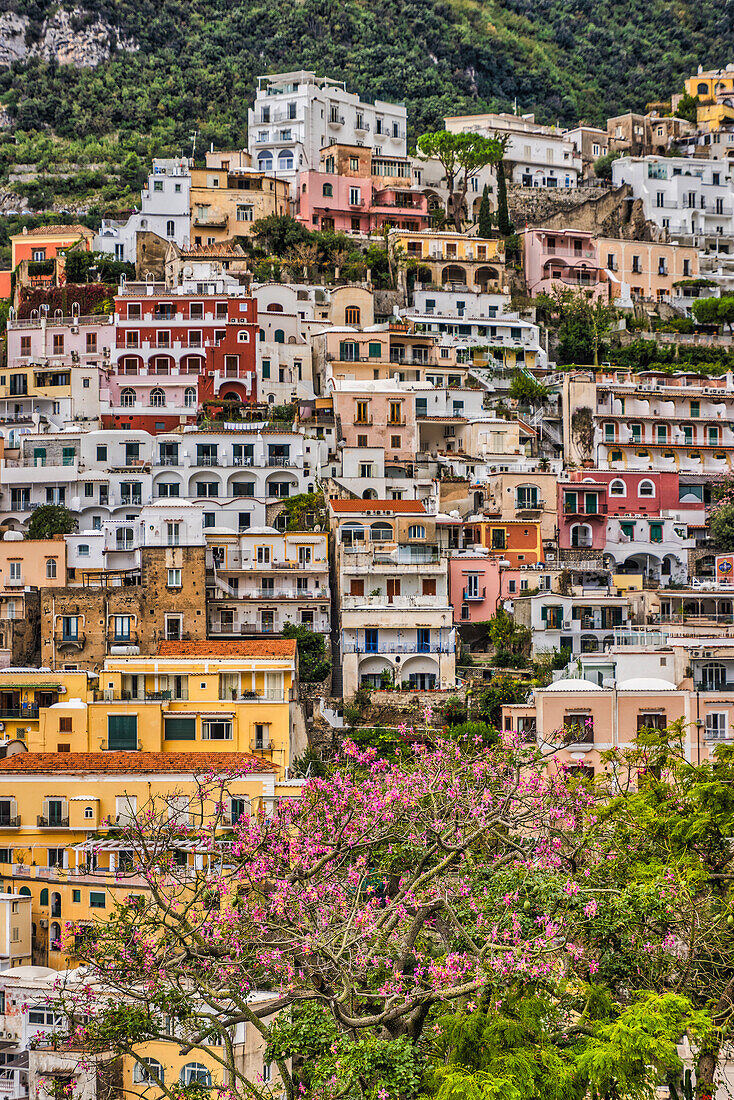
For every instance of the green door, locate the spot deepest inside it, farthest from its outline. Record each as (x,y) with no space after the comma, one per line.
(122,731)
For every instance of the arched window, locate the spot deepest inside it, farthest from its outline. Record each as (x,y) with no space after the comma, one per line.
(265,162)
(44,896)
(193,1073)
(713,676)
(55,904)
(617,488)
(157,398)
(352,315)
(88,813)
(702,89)
(381,532)
(274,307)
(417,531)
(261,336)
(54,935)
(148,1072)
(279,336)
(24,892)
(580,535)
(230,395)
(128,398)
(170,228)
(243,336)
(190,398)
(646,489)
(327,191)
(50,568)
(285,161)
(271,399)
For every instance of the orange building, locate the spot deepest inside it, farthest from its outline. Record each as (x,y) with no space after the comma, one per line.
(516,541)
(48,243)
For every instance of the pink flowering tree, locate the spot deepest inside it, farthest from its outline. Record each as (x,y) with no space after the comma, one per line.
(383,909)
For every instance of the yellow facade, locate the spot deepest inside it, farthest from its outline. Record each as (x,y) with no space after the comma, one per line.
(27,694)
(710,84)
(181,704)
(713,116)
(226,202)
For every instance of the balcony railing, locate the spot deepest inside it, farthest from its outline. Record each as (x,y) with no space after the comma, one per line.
(474,594)
(28,711)
(10,822)
(350,646)
(52,823)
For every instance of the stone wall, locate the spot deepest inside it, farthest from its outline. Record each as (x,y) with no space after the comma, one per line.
(604,211)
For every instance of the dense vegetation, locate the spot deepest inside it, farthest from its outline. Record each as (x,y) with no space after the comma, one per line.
(197,64)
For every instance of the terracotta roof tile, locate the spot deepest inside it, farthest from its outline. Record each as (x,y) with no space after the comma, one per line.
(221,249)
(377,506)
(254,647)
(126,763)
(57,231)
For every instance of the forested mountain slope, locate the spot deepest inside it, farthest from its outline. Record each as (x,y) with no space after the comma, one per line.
(192,64)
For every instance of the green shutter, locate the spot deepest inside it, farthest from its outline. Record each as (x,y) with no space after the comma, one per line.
(375,351)
(97,899)
(44,896)
(544,614)
(180,729)
(343,350)
(122,731)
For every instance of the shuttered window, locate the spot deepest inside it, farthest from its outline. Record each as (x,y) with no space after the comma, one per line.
(122,731)
(180,729)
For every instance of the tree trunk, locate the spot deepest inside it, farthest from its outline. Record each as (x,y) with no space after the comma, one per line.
(706,1066)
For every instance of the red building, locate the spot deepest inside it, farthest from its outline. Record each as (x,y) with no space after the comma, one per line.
(176,349)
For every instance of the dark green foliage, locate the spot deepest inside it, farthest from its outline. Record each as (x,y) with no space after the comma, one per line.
(485,214)
(50,520)
(95,267)
(473,731)
(721,528)
(504,224)
(526,390)
(313,664)
(687,107)
(198,61)
(603,166)
(278,233)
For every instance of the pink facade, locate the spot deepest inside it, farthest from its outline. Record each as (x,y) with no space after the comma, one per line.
(371,418)
(582,514)
(474,587)
(564,258)
(60,340)
(635,493)
(351,204)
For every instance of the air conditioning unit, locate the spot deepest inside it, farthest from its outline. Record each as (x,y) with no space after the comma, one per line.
(62,690)
(75,329)
(44,924)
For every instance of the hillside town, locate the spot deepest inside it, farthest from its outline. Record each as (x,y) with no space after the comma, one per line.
(359,444)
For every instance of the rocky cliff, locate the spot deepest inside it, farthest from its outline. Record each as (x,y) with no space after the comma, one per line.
(71,37)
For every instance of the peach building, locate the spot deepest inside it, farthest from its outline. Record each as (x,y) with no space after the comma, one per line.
(379,414)
(48,242)
(646,269)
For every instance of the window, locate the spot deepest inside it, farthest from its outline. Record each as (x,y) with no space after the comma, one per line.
(617,488)
(157,398)
(352,315)
(217,730)
(527,496)
(423,640)
(244,213)
(498,538)
(651,721)
(362,412)
(395,442)
(69,627)
(646,489)
(97,899)
(416,531)
(396,412)
(717,725)
(327,190)
(170,228)
(127,399)
(353,164)
(174,578)
(122,732)
(122,628)
(147,1072)
(371,642)
(179,729)
(193,1073)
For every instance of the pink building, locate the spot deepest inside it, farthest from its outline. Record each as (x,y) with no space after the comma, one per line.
(474,586)
(352,204)
(582,514)
(565,258)
(378,414)
(637,492)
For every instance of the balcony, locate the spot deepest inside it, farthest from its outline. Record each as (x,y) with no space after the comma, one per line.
(29,711)
(75,641)
(474,594)
(280,460)
(10,822)
(52,822)
(216,222)
(361,647)
(207,460)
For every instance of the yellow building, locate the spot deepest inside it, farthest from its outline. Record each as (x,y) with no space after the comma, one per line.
(61,816)
(452,258)
(27,693)
(194,697)
(713,116)
(709,85)
(228,197)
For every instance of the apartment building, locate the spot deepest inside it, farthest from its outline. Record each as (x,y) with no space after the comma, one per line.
(55,364)
(39,255)
(589,144)
(520,496)
(643,135)
(683,195)
(646,270)
(514,542)
(580,623)
(126,610)
(564,258)
(25,694)
(164,212)
(649,421)
(355,192)
(228,196)
(296,114)
(379,414)
(261,579)
(450,259)
(474,585)
(396,619)
(538,156)
(174,349)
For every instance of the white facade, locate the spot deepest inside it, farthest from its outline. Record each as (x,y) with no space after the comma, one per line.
(296,114)
(684,195)
(164,209)
(541,156)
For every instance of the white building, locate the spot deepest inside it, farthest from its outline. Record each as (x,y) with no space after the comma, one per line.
(685,195)
(540,156)
(164,210)
(297,114)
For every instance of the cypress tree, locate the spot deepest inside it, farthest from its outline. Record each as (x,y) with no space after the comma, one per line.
(503,216)
(485,216)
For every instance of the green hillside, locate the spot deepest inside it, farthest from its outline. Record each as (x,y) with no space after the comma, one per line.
(198,61)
